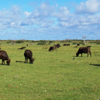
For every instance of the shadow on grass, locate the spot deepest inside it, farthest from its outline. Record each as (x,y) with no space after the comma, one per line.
(20,61)
(3,64)
(95,64)
(23,62)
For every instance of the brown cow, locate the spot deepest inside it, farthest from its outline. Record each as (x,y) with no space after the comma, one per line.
(4,56)
(66,44)
(52,48)
(28,55)
(78,44)
(22,48)
(57,45)
(84,50)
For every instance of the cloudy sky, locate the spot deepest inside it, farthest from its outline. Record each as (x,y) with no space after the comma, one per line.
(49,19)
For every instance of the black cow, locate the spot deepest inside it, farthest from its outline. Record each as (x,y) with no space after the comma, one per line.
(66,44)
(84,50)
(57,45)
(52,48)
(4,56)
(22,48)
(28,55)
(78,44)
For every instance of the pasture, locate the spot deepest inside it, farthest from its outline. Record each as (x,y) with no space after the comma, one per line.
(54,75)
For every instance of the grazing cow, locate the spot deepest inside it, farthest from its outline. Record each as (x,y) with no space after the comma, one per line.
(22,48)
(52,48)
(84,50)
(28,55)
(78,44)
(4,56)
(66,44)
(57,45)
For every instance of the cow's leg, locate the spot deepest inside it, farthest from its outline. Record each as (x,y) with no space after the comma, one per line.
(2,61)
(81,54)
(87,54)
(90,54)
(26,59)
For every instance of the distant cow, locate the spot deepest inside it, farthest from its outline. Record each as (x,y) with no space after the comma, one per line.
(78,44)
(28,55)
(57,45)
(84,50)
(66,44)
(52,48)
(4,56)
(22,48)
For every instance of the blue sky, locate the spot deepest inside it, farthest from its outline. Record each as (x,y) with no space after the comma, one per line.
(49,19)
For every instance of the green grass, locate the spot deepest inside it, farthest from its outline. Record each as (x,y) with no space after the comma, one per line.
(53,76)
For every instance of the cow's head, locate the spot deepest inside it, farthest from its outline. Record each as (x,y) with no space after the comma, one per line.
(8,62)
(31,60)
(77,54)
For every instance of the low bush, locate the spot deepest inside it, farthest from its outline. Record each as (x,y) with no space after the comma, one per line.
(19,41)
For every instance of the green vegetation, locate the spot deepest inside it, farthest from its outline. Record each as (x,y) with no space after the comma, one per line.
(44,42)
(41,42)
(54,75)
(19,41)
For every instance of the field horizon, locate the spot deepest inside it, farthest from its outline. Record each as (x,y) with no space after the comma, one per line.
(54,75)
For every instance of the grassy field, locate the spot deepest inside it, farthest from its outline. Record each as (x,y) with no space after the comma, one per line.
(54,75)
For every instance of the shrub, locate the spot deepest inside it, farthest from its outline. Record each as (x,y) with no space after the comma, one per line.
(19,41)
(98,43)
(74,43)
(49,42)
(41,42)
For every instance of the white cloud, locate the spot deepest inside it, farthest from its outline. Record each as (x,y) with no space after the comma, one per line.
(61,13)
(64,10)
(51,21)
(27,13)
(90,6)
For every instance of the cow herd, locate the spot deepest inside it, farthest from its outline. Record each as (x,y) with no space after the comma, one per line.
(54,47)
(80,51)
(28,53)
